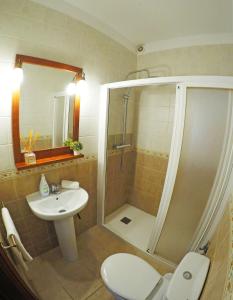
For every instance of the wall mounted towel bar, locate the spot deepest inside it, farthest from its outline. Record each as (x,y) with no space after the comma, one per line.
(12,243)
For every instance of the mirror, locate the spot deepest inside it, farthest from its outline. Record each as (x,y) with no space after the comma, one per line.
(43,109)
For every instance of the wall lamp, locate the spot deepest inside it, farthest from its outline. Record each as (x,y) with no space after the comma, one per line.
(17,75)
(78,85)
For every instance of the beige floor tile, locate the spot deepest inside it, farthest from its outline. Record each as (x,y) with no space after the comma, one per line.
(101,294)
(56,293)
(86,258)
(75,277)
(43,276)
(80,282)
(81,279)
(161,267)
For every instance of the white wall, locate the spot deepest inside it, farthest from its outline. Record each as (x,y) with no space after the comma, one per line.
(150,116)
(117,109)
(31,29)
(155,112)
(197,60)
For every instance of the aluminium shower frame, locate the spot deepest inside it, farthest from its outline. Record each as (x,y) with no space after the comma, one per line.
(224,177)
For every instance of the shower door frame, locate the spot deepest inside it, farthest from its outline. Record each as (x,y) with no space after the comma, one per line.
(182,83)
(220,191)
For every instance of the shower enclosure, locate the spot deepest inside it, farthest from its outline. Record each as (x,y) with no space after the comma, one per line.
(165,157)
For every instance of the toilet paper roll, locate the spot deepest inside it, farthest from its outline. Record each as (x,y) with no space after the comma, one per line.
(67,184)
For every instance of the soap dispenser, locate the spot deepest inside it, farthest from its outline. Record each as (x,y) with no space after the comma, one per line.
(44,187)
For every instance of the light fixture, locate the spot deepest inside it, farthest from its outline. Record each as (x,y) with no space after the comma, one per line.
(17,76)
(77,86)
(71,88)
(82,86)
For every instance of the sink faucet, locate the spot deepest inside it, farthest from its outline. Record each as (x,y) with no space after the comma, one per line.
(54,188)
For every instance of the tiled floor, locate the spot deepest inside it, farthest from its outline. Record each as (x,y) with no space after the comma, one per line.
(56,279)
(138,231)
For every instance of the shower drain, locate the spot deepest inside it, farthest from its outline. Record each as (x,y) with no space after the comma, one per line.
(126,220)
(62,210)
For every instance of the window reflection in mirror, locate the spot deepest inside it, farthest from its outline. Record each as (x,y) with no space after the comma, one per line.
(45,110)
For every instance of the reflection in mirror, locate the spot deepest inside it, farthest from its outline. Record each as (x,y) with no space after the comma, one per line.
(45,110)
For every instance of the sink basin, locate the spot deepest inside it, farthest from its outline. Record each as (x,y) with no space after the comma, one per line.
(59,206)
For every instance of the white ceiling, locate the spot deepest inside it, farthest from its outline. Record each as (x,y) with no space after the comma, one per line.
(157,24)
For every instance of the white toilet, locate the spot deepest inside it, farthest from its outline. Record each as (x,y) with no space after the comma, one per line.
(129,277)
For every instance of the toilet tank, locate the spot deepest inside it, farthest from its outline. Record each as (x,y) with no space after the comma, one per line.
(189,278)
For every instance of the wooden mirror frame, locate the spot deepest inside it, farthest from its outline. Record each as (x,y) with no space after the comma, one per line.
(48,155)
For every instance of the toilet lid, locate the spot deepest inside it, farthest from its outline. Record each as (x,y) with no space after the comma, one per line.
(129,276)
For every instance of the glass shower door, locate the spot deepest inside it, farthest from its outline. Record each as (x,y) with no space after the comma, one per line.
(137,158)
(205,127)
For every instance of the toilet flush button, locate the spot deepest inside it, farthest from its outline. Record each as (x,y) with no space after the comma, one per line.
(187,275)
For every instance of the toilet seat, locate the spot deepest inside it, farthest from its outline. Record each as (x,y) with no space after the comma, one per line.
(129,276)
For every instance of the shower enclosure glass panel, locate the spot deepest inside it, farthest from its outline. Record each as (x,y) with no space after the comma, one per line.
(204,132)
(140,124)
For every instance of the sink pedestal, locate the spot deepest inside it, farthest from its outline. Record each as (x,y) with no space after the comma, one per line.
(66,237)
(60,208)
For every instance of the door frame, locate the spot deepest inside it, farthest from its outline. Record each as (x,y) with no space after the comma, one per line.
(224,82)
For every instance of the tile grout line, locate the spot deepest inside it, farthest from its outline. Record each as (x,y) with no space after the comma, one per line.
(66,290)
(94,292)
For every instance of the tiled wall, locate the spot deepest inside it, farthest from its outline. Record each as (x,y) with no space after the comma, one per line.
(149,131)
(149,116)
(135,177)
(116,139)
(38,235)
(219,284)
(117,109)
(154,118)
(6,151)
(120,173)
(148,181)
(32,29)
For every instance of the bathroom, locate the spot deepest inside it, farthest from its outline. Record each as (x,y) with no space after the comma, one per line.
(73,33)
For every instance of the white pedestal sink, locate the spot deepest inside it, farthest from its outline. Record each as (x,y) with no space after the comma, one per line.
(61,208)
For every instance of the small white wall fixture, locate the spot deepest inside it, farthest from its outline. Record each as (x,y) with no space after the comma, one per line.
(217,199)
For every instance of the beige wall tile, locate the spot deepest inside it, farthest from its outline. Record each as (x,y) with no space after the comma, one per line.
(39,235)
(8,191)
(138,180)
(26,185)
(219,253)
(147,187)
